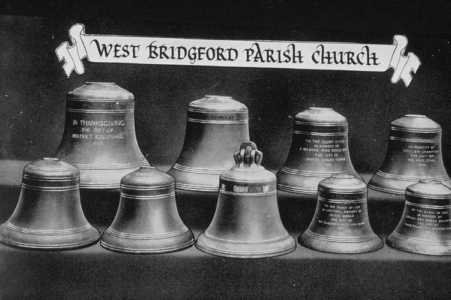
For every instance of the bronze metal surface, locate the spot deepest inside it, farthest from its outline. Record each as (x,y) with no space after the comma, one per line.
(247,222)
(340,223)
(215,125)
(425,226)
(99,135)
(414,153)
(147,220)
(319,149)
(48,214)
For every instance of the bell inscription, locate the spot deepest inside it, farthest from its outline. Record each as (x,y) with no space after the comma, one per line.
(319,149)
(341,215)
(425,226)
(99,135)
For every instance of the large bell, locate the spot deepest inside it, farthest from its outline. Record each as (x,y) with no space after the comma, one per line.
(247,222)
(319,149)
(414,153)
(425,226)
(216,124)
(147,220)
(340,223)
(49,214)
(99,136)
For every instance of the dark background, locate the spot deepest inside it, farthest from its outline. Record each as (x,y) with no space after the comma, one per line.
(32,97)
(33,85)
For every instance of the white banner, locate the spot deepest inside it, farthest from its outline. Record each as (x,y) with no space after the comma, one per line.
(227,53)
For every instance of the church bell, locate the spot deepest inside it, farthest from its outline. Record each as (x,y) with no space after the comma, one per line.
(425,224)
(215,125)
(414,153)
(99,135)
(340,223)
(48,214)
(247,222)
(147,220)
(319,149)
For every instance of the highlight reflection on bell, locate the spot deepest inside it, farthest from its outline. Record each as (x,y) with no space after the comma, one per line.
(425,224)
(247,222)
(319,149)
(99,136)
(414,153)
(216,124)
(340,223)
(48,214)
(147,220)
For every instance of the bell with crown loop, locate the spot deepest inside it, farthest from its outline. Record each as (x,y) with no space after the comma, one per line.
(247,222)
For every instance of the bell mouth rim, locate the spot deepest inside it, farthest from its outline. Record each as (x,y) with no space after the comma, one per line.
(431,181)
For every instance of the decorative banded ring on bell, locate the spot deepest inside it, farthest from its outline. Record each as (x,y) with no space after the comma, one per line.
(247,222)
(340,223)
(147,220)
(414,153)
(216,124)
(319,149)
(425,226)
(48,214)
(99,135)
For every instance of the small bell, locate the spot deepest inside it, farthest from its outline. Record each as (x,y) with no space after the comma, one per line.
(247,222)
(414,153)
(425,226)
(147,220)
(340,223)
(318,150)
(49,214)
(215,125)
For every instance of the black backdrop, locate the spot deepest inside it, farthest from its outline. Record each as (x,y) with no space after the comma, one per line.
(33,84)
(32,97)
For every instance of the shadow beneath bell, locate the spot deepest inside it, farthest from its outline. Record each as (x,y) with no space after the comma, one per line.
(296,210)
(100,206)
(196,209)
(384,216)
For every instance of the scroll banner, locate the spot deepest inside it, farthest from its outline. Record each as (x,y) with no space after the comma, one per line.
(227,53)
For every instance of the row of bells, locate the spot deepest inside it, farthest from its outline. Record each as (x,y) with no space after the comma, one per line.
(99,140)
(246,223)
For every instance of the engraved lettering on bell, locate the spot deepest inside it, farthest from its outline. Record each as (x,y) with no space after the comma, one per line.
(99,135)
(247,222)
(319,149)
(340,223)
(413,154)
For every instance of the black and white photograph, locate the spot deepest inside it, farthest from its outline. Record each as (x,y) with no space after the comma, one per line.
(225,149)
